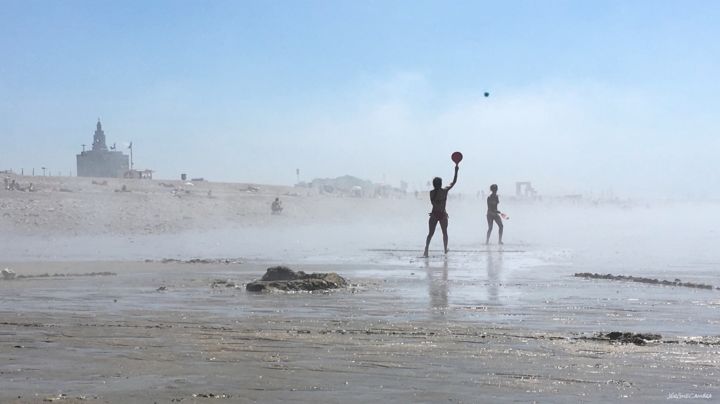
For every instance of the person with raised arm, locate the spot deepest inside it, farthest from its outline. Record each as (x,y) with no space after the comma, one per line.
(438,198)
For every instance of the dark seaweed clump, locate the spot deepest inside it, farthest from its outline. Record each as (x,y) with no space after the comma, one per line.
(676,282)
(631,338)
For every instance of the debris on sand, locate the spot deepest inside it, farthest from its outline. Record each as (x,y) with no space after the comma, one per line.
(8,274)
(285,279)
(60,275)
(676,282)
(199,261)
(59,397)
(631,338)
(63,397)
(226,283)
(211,395)
(626,338)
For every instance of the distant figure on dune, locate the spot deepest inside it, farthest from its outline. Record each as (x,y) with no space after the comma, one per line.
(493,214)
(276,206)
(438,198)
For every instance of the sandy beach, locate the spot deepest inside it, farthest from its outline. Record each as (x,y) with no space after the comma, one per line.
(485,324)
(232,202)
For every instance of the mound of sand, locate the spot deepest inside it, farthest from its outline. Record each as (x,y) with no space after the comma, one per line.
(285,279)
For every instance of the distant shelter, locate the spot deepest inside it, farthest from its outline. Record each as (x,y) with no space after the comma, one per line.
(139,174)
(100,161)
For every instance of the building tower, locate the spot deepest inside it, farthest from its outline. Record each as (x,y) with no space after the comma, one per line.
(99,138)
(101,162)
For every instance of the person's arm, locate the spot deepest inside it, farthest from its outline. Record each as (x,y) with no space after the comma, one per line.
(452,184)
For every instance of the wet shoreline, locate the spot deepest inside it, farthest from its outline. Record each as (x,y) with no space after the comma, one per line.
(422,331)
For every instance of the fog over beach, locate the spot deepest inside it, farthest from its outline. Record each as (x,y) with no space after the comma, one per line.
(496,295)
(228,202)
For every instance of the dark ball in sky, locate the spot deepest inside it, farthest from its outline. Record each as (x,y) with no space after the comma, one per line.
(486,94)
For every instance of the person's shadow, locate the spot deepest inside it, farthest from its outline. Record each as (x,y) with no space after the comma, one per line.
(437,278)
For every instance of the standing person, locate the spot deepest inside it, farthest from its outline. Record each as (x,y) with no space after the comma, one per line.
(493,214)
(276,207)
(438,198)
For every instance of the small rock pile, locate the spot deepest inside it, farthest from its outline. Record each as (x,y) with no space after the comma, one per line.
(285,279)
(8,274)
(676,282)
(631,338)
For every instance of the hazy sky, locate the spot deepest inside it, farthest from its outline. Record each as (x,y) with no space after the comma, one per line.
(586,96)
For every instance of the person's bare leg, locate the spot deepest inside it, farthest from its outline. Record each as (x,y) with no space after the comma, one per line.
(490,226)
(443,227)
(432,223)
(500,229)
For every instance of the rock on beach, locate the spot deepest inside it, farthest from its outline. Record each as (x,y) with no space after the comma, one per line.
(285,279)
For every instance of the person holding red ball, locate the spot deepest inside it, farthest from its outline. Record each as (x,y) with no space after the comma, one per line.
(438,199)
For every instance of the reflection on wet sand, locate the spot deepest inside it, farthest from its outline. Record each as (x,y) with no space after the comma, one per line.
(437,278)
(494,268)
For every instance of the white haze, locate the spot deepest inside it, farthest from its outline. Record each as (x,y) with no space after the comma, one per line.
(589,138)
(662,239)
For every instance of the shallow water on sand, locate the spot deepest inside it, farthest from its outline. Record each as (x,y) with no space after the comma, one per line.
(523,283)
(501,321)
(508,287)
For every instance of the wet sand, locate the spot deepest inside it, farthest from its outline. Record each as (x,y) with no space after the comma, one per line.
(485,324)
(408,331)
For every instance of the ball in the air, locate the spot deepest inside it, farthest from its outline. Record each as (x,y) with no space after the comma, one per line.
(486,94)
